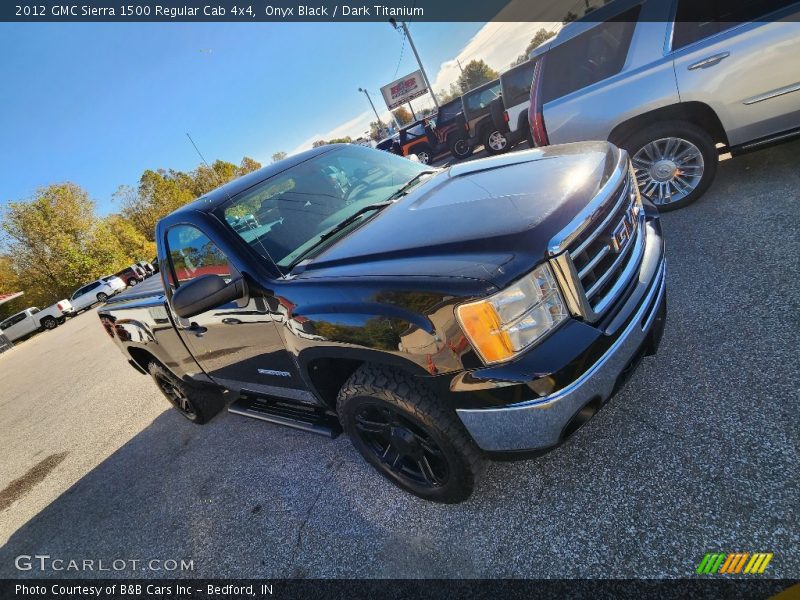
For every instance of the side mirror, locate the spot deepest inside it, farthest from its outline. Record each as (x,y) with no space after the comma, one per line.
(204,293)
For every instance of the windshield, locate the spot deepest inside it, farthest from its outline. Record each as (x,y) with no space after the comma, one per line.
(285,215)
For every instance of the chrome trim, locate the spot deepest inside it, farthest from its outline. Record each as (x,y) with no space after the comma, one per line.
(771,140)
(539,423)
(566,277)
(709,61)
(627,274)
(583,219)
(773,94)
(625,195)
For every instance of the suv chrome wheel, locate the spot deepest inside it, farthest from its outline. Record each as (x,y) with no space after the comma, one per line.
(423,157)
(497,141)
(668,169)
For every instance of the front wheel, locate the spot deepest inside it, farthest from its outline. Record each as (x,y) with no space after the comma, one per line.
(197,405)
(674,163)
(403,430)
(496,142)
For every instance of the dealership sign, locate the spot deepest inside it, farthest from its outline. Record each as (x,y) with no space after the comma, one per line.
(404,89)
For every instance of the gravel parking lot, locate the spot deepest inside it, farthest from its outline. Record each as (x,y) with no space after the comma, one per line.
(698,453)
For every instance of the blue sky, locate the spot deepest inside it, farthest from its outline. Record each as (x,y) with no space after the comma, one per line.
(97,104)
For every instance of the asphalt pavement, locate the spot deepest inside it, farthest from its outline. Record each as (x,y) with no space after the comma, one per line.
(698,453)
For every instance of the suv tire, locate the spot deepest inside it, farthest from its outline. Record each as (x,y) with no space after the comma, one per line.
(459,147)
(199,405)
(496,142)
(102,297)
(403,430)
(497,110)
(674,159)
(424,153)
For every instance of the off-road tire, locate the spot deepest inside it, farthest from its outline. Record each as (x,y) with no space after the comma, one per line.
(203,404)
(382,386)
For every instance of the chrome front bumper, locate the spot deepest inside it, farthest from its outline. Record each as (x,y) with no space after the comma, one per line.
(540,423)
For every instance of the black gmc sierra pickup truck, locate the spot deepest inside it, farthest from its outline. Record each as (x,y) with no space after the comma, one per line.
(438,317)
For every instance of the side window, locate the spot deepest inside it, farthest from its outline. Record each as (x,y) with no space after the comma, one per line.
(80,292)
(590,57)
(192,254)
(695,21)
(516,85)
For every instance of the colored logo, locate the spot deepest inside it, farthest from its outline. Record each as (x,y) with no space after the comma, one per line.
(733,563)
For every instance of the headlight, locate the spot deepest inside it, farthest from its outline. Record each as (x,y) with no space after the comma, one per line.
(512,320)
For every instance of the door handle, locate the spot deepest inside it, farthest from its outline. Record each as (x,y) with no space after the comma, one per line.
(709,61)
(197,330)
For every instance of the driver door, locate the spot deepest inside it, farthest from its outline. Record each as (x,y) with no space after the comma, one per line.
(237,344)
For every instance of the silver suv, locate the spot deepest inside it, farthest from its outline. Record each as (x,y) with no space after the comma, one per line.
(674,83)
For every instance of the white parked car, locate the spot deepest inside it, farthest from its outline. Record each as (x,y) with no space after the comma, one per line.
(92,293)
(115,282)
(31,320)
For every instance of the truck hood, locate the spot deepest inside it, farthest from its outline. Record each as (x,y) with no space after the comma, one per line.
(489,219)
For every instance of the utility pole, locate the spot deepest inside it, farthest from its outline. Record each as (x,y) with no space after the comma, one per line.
(416,54)
(459,66)
(377,116)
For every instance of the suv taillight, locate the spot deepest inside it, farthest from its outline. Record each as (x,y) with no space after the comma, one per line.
(506,118)
(535,111)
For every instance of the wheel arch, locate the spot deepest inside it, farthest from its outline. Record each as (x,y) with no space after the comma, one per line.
(326,373)
(697,113)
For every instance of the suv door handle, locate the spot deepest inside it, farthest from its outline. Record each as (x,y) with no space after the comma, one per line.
(709,61)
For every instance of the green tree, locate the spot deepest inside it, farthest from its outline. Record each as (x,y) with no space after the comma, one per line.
(278,156)
(56,243)
(475,73)
(163,191)
(377,131)
(541,37)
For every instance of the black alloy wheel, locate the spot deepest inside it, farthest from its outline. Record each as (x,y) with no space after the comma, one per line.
(177,396)
(405,450)
(405,431)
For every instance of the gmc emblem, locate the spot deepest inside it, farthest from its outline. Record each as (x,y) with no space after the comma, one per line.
(620,236)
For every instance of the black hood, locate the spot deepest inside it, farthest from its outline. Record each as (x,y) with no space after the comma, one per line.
(489,219)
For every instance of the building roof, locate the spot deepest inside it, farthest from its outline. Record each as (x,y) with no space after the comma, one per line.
(8,297)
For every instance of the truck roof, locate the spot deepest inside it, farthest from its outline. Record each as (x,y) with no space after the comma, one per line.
(211,200)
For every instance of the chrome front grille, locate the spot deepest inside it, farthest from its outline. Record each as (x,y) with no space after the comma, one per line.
(600,259)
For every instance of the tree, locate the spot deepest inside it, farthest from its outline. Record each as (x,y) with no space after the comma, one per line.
(278,156)
(476,73)
(343,140)
(163,191)
(403,115)
(56,243)
(452,94)
(377,130)
(538,39)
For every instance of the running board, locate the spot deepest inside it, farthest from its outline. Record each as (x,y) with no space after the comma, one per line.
(280,412)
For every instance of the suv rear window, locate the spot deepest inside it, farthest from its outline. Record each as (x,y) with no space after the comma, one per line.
(590,57)
(516,84)
(695,20)
(448,112)
(479,100)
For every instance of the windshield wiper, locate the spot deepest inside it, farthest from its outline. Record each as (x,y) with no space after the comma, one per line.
(344,224)
(409,184)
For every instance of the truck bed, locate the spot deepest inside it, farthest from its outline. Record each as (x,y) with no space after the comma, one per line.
(149,287)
